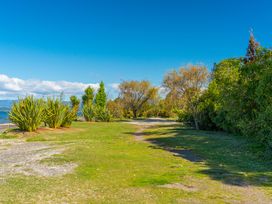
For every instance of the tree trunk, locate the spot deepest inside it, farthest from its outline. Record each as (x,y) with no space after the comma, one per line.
(134,114)
(196,124)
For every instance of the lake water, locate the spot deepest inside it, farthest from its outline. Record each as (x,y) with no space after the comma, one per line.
(3,117)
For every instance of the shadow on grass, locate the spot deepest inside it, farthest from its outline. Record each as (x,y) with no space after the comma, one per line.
(230,159)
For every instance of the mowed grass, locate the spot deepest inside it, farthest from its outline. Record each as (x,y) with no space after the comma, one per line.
(115,168)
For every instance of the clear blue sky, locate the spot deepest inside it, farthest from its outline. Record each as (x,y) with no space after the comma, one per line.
(88,41)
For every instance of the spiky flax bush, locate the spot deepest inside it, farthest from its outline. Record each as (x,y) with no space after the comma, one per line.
(57,114)
(27,113)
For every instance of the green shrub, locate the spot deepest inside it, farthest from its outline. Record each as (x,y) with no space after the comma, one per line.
(88,112)
(69,116)
(184,117)
(75,103)
(115,108)
(27,113)
(56,113)
(102,115)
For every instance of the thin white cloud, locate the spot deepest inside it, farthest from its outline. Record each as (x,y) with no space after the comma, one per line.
(115,86)
(11,88)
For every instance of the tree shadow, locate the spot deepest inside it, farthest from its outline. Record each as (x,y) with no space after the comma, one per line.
(229,158)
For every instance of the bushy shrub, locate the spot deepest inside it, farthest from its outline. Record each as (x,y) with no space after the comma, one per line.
(56,113)
(115,108)
(69,116)
(75,104)
(102,115)
(27,113)
(88,112)
(184,117)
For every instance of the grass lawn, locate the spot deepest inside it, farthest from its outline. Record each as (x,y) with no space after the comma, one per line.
(115,168)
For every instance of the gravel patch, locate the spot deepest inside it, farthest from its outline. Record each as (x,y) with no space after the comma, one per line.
(143,124)
(20,157)
(152,122)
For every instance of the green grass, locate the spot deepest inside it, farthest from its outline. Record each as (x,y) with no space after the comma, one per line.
(114,168)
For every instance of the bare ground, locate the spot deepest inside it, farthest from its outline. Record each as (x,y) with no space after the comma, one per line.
(20,157)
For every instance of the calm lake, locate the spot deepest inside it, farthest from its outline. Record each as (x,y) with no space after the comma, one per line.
(3,117)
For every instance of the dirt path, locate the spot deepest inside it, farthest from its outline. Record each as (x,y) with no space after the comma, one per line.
(144,124)
(148,123)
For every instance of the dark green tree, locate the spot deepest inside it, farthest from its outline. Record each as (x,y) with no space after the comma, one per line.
(101,97)
(87,100)
(88,97)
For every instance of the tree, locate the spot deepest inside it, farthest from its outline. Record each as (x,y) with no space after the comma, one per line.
(173,84)
(252,49)
(187,84)
(88,97)
(136,94)
(115,108)
(224,91)
(75,102)
(101,97)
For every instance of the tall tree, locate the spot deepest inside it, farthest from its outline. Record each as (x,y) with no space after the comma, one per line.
(252,49)
(172,83)
(223,93)
(87,100)
(75,102)
(101,96)
(88,97)
(187,84)
(136,94)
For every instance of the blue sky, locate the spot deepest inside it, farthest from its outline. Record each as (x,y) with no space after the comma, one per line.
(114,40)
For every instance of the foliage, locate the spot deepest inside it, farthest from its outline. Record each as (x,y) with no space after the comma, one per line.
(57,114)
(27,113)
(101,97)
(185,87)
(172,83)
(69,116)
(216,103)
(102,114)
(115,108)
(87,100)
(252,49)
(206,108)
(135,95)
(75,103)
(88,112)
(239,96)
(88,97)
